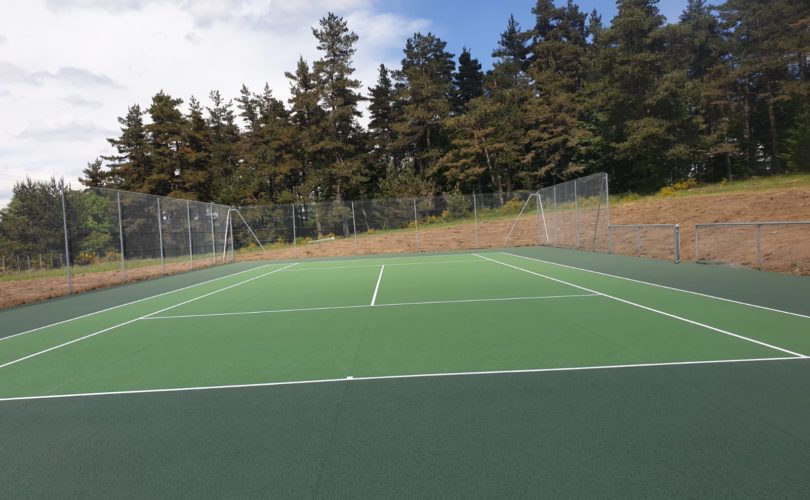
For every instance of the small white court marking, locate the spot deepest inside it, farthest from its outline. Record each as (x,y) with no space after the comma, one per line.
(646,308)
(119,325)
(398,377)
(363,306)
(780,311)
(377,288)
(131,303)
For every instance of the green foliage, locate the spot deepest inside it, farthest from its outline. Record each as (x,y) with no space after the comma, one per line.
(720,92)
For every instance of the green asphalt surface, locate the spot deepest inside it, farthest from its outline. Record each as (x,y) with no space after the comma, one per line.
(734,429)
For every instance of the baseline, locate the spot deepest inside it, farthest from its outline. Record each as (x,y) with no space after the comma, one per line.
(64,344)
(657,311)
(396,377)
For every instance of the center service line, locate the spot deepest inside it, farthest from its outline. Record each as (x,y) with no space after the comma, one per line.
(377,288)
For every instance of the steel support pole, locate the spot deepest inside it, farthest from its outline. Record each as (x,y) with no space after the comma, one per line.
(537,199)
(697,243)
(475,215)
(638,241)
(416,224)
(230,225)
(759,249)
(607,205)
(677,231)
(213,237)
(67,241)
(556,222)
(354,228)
(121,239)
(576,211)
(294,237)
(160,237)
(190,239)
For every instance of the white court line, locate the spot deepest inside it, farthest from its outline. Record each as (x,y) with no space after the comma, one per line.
(657,311)
(398,377)
(130,303)
(363,306)
(140,318)
(468,261)
(377,288)
(661,286)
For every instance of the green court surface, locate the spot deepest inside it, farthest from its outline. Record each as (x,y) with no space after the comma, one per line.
(517,373)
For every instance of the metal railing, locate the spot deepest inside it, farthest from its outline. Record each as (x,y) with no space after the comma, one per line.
(728,257)
(657,246)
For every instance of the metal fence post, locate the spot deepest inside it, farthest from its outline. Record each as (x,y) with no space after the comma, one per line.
(677,231)
(354,228)
(416,224)
(759,249)
(697,242)
(160,237)
(213,237)
(537,229)
(638,240)
(190,239)
(576,211)
(230,226)
(607,206)
(294,238)
(556,221)
(475,215)
(67,242)
(121,239)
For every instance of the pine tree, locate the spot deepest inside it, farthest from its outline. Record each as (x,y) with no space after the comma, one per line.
(94,175)
(225,138)
(424,92)
(194,179)
(468,80)
(165,136)
(132,165)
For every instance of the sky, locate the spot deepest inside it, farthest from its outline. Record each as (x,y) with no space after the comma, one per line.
(70,68)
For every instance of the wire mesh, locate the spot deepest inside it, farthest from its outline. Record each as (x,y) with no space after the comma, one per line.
(772,246)
(656,241)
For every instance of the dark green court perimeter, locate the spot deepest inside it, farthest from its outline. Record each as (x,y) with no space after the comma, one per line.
(735,426)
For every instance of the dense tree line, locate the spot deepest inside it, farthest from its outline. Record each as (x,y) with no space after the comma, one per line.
(722,93)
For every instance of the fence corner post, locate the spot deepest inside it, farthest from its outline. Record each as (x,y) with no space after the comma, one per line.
(67,240)
(677,231)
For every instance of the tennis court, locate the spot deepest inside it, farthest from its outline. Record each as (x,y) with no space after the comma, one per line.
(522,372)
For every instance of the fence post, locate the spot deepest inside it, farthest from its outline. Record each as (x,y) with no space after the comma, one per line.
(230,226)
(160,237)
(67,243)
(213,238)
(556,222)
(121,238)
(607,206)
(354,228)
(576,211)
(638,240)
(295,246)
(475,215)
(416,224)
(537,229)
(759,249)
(677,244)
(190,239)
(697,242)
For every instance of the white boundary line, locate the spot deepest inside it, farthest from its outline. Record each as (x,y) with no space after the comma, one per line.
(130,303)
(363,306)
(469,261)
(657,311)
(399,377)
(377,288)
(140,318)
(661,286)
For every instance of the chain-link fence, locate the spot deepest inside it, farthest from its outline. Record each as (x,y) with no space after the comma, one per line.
(768,246)
(64,241)
(56,241)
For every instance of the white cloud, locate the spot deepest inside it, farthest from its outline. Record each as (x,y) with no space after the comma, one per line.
(76,76)
(65,128)
(85,61)
(81,102)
